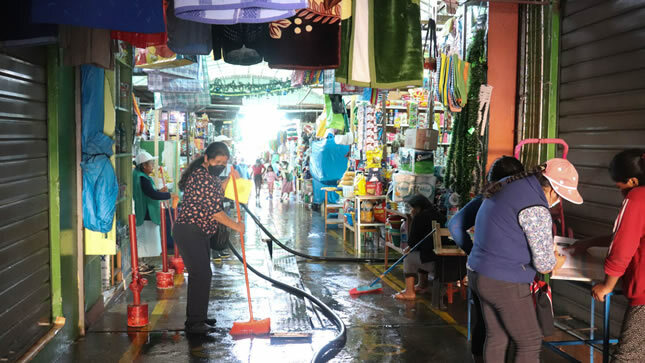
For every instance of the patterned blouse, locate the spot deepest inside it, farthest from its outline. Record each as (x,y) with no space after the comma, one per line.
(537,225)
(203,196)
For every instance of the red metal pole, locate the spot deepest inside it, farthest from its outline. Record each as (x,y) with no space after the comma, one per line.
(164,236)
(135,259)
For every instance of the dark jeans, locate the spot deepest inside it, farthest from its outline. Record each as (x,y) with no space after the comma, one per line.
(509,314)
(194,249)
(478,327)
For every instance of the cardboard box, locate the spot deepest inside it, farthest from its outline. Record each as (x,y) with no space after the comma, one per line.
(416,161)
(421,139)
(406,184)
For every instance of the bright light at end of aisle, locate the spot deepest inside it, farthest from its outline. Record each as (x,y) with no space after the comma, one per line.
(258,124)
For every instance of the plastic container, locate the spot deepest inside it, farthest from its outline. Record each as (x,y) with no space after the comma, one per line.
(348,191)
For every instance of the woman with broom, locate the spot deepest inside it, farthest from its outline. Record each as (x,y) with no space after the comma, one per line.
(199,218)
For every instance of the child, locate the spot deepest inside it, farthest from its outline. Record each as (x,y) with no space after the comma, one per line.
(270,176)
(287,183)
(626,257)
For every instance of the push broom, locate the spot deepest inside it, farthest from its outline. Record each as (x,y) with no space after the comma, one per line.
(376,286)
(251,327)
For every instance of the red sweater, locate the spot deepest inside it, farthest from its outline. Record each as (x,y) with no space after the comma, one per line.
(627,252)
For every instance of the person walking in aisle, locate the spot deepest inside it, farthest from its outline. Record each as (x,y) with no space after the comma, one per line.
(200,215)
(626,257)
(258,174)
(459,225)
(147,209)
(514,241)
(270,177)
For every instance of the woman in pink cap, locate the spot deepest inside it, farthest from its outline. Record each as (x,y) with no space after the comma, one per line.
(513,242)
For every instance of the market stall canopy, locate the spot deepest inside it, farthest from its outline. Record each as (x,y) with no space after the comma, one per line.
(142,16)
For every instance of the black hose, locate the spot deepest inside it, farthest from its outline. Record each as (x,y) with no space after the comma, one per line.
(329,350)
(310,257)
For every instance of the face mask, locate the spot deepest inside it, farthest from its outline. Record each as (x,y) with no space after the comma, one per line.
(216,170)
(555,203)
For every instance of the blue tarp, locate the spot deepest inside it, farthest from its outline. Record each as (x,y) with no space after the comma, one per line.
(328,160)
(319,194)
(141,16)
(100,187)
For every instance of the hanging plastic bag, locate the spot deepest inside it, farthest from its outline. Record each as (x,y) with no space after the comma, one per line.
(335,119)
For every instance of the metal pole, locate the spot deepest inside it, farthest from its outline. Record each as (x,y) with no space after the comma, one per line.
(164,237)
(134,255)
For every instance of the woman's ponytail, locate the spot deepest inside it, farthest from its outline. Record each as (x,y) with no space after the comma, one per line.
(628,164)
(495,187)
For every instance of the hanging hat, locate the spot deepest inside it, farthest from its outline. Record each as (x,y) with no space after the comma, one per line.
(563,177)
(143,157)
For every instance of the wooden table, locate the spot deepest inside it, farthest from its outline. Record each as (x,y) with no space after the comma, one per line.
(359,228)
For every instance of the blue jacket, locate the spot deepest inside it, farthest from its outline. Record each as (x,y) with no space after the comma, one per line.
(501,250)
(463,221)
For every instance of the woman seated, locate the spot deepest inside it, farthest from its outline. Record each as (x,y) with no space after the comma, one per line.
(422,260)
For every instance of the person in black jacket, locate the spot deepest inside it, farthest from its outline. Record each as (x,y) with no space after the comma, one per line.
(421,261)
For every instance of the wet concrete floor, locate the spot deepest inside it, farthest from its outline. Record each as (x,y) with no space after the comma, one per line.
(379,328)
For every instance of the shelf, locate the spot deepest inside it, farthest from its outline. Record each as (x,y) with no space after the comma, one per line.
(119,108)
(444,144)
(396,212)
(371,225)
(122,155)
(392,125)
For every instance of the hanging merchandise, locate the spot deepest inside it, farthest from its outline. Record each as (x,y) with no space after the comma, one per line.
(236,11)
(86,46)
(240,44)
(161,57)
(453,80)
(310,40)
(380,50)
(335,109)
(187,37)
(463,169)
(144,40)
(142,16)
(330,86)
(162,82)
(187,102)
(430,47)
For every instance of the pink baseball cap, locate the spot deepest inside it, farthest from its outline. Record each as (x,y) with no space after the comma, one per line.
(564,179)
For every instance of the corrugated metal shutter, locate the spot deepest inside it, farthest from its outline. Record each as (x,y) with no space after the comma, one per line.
(25,291)
(602,100)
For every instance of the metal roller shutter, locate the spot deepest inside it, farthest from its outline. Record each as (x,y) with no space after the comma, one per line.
(25,291)
(602,100)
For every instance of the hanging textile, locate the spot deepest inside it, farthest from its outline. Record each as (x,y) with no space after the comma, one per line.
(142,16)
(380,50)
(187,37)
(161,81)
(240,44)
(330,86)
(310,40)
(187,101)
(236,11)
(100,187)
(86,46)
(144,40)
(161,57)
(453,82)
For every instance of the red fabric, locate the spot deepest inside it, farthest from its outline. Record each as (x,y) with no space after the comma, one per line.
(627,252)
(144,40)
